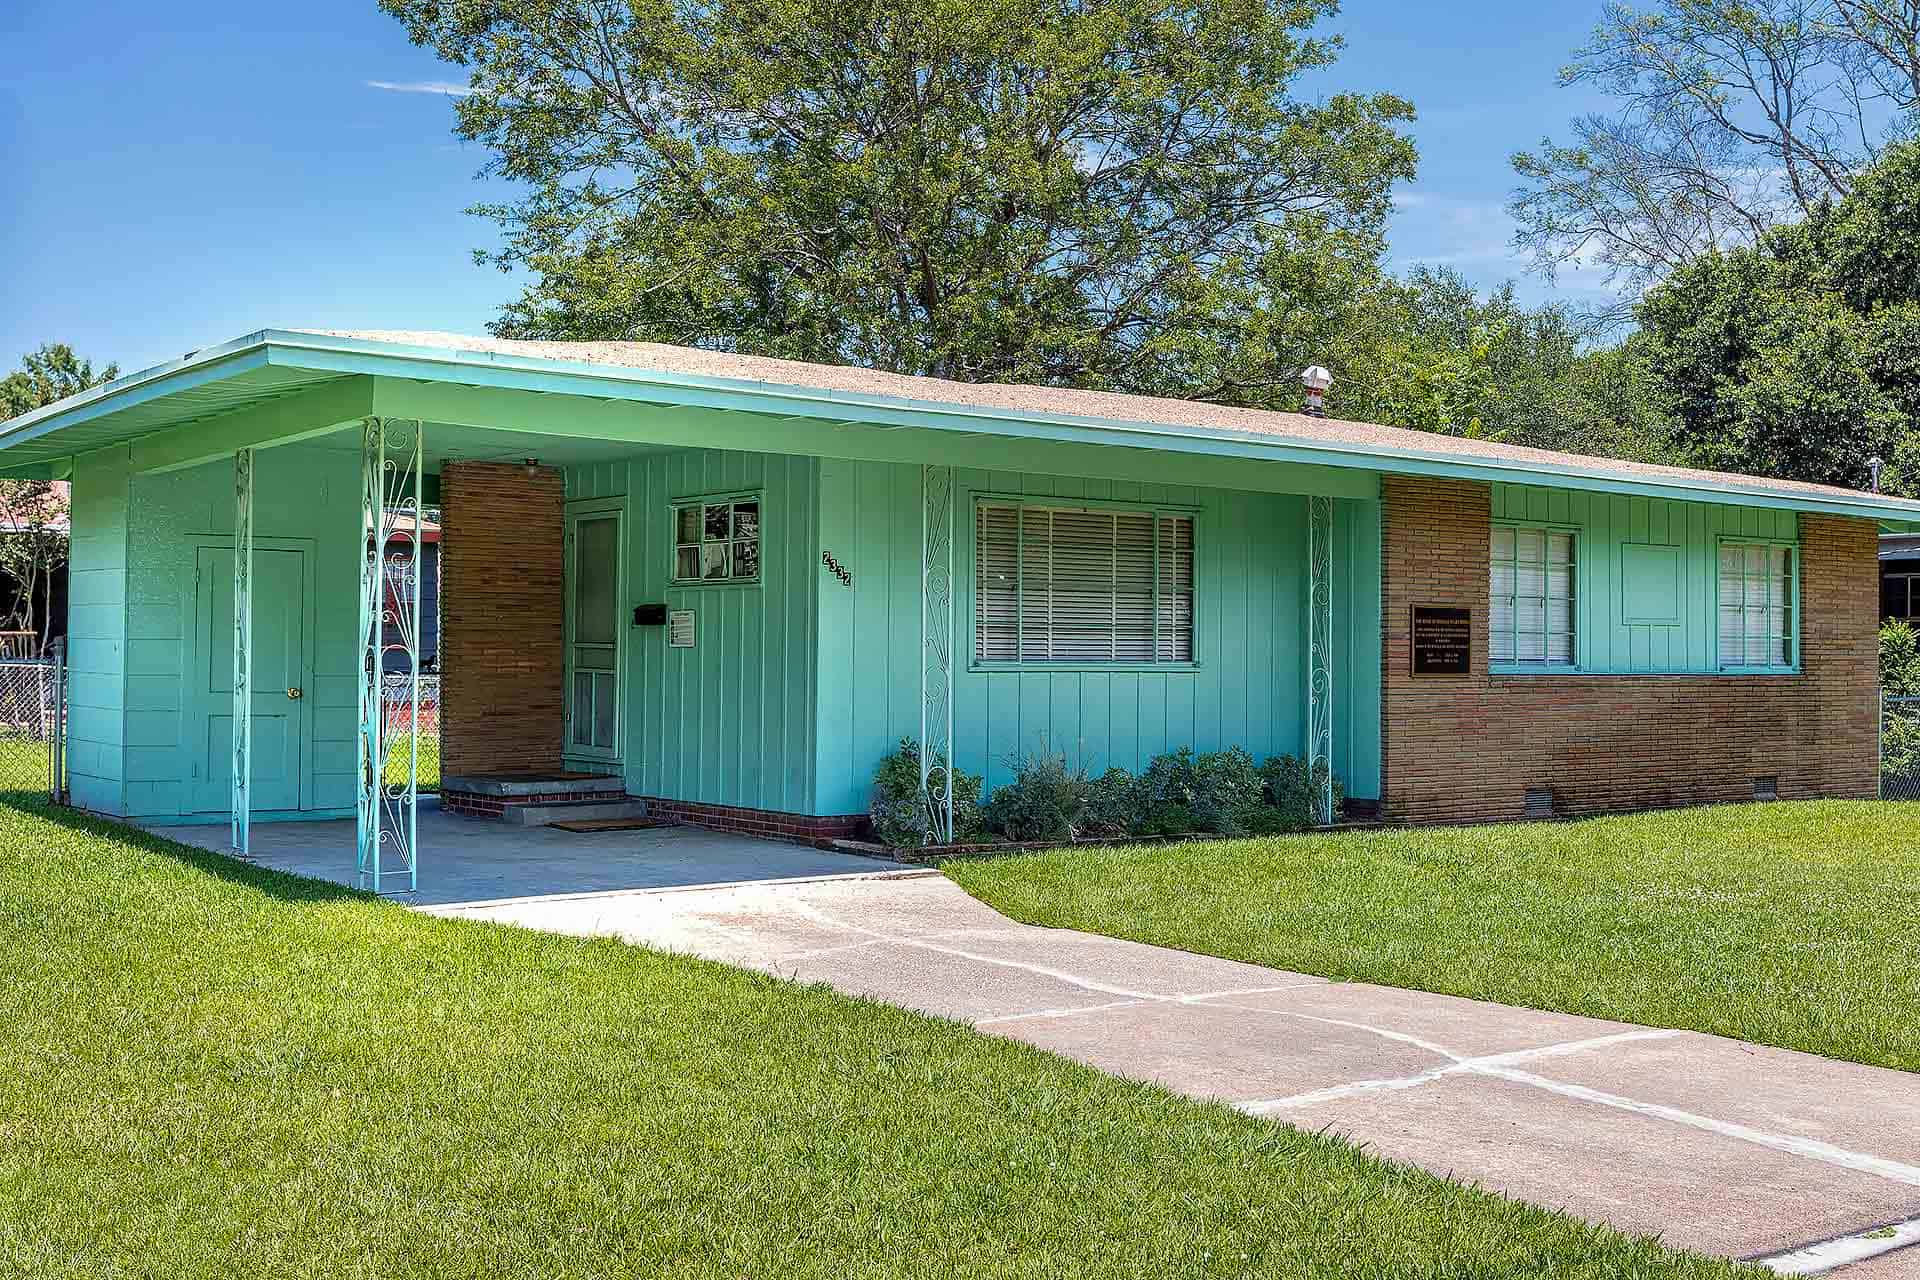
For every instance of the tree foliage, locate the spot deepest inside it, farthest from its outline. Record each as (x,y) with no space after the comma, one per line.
(1102,193)
(1731,117)
(33,539)
(1799,356)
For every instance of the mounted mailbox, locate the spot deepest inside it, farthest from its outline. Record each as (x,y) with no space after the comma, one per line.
(649,615)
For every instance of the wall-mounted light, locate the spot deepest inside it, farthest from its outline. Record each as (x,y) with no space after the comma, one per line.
(533,466)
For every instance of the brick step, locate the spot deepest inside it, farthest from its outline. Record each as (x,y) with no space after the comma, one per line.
(540,815)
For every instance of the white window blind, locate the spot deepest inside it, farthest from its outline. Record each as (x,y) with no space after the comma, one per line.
(1082,585)
(1756,605)
(1530,596)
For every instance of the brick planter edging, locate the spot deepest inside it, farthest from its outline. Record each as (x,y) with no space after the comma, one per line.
(770,824)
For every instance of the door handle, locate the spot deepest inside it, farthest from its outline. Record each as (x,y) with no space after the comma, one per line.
(295,694)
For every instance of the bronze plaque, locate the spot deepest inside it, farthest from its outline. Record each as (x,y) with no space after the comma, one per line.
(1442,640)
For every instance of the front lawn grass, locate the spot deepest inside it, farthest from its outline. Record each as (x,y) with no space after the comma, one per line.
(1794,924)
(208,1069)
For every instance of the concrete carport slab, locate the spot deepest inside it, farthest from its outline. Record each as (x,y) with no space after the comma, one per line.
(1711,1144)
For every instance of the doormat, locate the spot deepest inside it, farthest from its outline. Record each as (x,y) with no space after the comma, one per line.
(609,824)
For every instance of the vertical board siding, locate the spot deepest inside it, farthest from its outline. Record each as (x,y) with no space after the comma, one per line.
(304,493)
(729,721)
(1247,689)
(97,632)
(1607,643)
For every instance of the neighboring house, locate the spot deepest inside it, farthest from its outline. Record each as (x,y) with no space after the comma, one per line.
(734,584)
(399,570)
(1900,576)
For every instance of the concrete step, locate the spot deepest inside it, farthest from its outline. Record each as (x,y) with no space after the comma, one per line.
(539,815)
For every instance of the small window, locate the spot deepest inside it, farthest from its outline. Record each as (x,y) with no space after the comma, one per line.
(1530,597)
(1756,605)
(1069,585)
(717,540)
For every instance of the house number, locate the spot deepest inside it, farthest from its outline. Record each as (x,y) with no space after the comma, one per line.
(826,558)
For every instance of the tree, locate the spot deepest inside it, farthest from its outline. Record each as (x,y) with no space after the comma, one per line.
(33,536)
(1101,193)
(1799,356)
(1733,116)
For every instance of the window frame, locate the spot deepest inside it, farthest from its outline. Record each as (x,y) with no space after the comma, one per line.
(1792,665)
(704,500)
(1022,502)
(1541,667)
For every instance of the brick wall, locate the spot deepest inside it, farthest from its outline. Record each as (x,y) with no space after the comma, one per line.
(1467,747)
(502,585)
(800,828)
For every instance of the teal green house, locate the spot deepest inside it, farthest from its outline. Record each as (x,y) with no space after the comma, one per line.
(727,586)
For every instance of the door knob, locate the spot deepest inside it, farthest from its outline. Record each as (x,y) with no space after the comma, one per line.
(295,694)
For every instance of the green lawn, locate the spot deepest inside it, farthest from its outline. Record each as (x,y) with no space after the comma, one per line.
(1789,924)
(207,1069)
(23,765)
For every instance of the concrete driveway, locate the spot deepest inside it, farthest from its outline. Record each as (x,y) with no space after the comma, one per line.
(1711,1144)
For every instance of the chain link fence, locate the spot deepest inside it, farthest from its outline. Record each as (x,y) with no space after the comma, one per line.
(1900,748)
(32,724)
(401,730)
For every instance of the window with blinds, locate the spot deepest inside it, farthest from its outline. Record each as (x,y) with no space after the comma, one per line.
(1530,596)
(1082,585)
(1756,605)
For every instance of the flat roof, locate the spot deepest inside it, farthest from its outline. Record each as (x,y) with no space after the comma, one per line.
(273,363)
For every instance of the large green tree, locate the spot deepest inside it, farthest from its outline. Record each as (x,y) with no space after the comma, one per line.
(1725,118)
(1105,193)
(33,539)
(1799,356)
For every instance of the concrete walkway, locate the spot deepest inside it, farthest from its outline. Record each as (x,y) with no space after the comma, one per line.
(1712,1144)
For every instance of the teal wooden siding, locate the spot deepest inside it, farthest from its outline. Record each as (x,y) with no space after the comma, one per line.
(1247,689)
(1646,576)
(1356,669)
(305,498)
(97,632)
(729,721)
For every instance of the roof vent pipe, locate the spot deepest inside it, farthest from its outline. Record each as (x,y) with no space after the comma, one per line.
(1873,470)
(1316,380)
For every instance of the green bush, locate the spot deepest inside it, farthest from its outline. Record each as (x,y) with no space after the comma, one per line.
(1290,788)
(1900,746)
(1899,659)
(1046,800)
(1113,806)
(1215,793)
(900,814)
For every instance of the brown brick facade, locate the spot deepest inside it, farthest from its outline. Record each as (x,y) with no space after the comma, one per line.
(1467,748)
(502,591)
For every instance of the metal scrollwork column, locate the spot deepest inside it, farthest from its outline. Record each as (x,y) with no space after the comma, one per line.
(1320,657)
(241,835)
(936,651)
(390,511)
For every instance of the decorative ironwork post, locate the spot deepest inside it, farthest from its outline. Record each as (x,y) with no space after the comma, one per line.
(241,835)
(390,512)
(936,651)
(1320,657)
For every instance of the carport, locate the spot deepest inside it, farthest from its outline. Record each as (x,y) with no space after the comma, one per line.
(483,862)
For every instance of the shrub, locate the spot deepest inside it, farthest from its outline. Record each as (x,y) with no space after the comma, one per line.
(1047,799)
(900,814)
(1113,805)
(1899,659)
(1900,747)
(1288,799)
(1217,792)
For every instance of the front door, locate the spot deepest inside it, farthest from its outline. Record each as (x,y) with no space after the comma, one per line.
(593,634)
(280,679)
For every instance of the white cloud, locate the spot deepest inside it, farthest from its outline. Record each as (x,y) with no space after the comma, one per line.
(445,88)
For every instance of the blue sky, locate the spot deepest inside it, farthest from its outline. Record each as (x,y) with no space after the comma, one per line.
(177,175)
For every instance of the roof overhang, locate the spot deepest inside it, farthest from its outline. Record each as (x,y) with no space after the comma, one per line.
(274,364)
